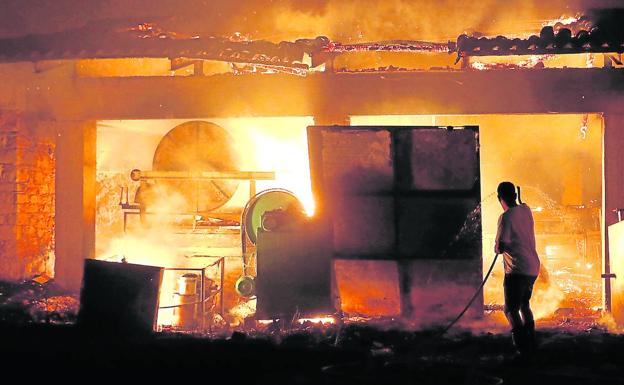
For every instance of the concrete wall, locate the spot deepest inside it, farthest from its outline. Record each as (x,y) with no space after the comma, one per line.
(474,92)
(52,92)
(46,167)
(75,203)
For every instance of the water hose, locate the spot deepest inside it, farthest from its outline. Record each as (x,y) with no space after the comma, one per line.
(450,325)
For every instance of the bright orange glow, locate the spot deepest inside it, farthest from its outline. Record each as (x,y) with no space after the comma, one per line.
(144,251)
(565,198)
(319,320)
(261,144)
(281,145)
(369,288)
(580,60)
(277,145)
(566,21)
(325,320)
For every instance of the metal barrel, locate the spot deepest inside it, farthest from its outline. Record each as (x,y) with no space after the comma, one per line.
(185,315)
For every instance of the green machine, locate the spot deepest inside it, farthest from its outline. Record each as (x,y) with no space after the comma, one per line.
(268,209)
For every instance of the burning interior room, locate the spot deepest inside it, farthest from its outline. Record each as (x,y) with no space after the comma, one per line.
(161,176)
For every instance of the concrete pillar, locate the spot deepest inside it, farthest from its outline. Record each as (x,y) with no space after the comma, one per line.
(613,186)
(75,201)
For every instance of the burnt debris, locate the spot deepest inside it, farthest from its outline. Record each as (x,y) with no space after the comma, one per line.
(607,35)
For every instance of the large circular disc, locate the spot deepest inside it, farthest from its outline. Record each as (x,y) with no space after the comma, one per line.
(197,146)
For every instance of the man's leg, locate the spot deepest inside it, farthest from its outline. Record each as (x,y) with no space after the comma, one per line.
(527,314)
(513,302)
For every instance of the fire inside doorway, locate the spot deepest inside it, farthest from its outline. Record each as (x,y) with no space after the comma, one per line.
(556,159)
(149,213)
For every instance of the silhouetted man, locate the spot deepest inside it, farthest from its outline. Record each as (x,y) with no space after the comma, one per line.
(515,240)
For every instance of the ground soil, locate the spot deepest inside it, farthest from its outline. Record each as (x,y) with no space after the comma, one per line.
(46,339)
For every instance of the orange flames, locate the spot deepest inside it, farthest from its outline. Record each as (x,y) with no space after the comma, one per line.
(280,145)
(277,145)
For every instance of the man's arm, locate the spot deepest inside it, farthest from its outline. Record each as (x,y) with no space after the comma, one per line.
(502,235)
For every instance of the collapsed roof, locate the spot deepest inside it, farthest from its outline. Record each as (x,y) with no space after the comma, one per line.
(125,40)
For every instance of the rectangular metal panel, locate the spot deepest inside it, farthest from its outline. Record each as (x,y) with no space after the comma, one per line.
(294,272)
(439,228)
(437,159)
(439,289)
(409,194)
(119,298)
(357,161)
(368,287)
(364,226)
(398,192)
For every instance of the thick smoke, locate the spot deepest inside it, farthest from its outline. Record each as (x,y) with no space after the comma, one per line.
(344,20)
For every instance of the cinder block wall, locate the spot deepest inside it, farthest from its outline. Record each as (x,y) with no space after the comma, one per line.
(27,165)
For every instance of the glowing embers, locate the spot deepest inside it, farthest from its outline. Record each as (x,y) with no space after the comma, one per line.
(318,320)
(369,288)
(517,62)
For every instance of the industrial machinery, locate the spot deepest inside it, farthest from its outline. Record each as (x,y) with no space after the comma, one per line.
(291,255)
(275,208)
(195,172)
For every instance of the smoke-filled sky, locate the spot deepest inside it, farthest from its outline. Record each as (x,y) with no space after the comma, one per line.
(341,20)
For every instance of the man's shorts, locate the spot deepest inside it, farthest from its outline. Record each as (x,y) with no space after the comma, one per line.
(518,290)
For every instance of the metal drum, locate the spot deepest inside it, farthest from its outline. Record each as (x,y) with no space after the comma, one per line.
(263,202)
(185,316)
(187,284)
(197,146)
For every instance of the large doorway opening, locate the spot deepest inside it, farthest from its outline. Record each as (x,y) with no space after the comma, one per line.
(165,214)
(556,159)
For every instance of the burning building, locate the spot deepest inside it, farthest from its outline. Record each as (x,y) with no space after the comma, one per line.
(355,176)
